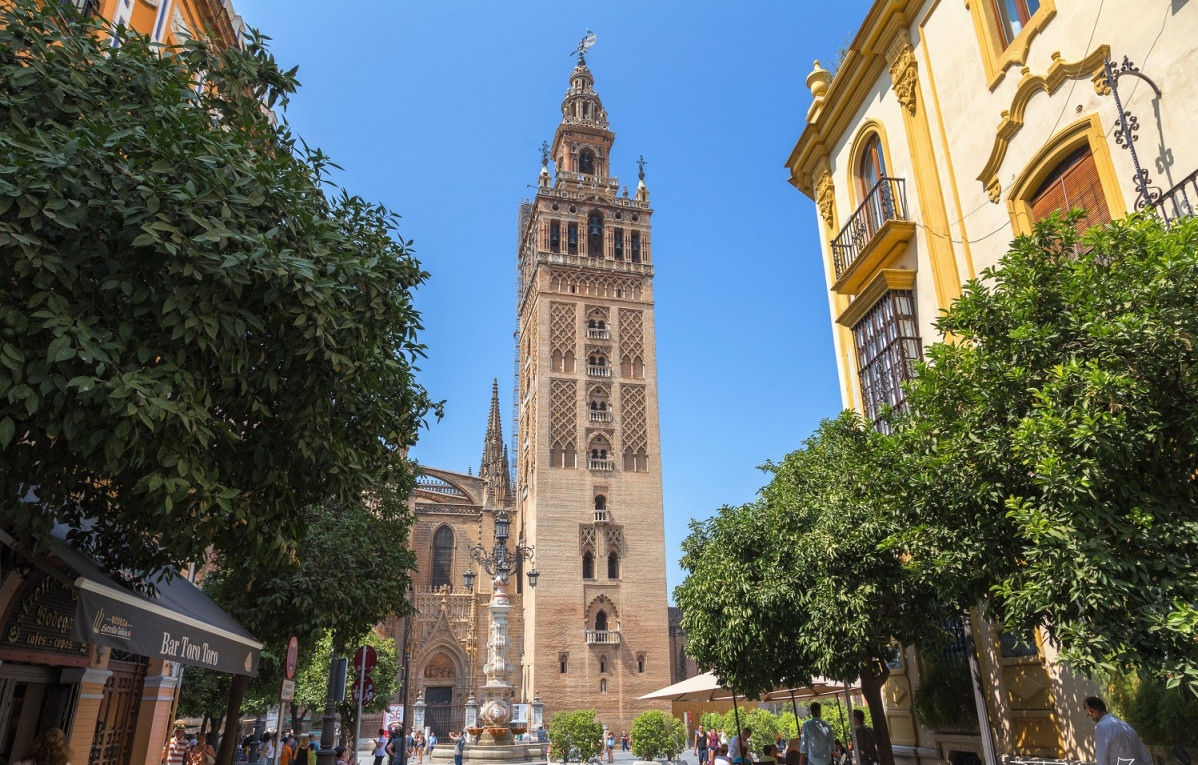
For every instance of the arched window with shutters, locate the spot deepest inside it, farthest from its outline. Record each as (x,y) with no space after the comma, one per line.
(1072,182)
(1074,169)
(442,557)
(872,167)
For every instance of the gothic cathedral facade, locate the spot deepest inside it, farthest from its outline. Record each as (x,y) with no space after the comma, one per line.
(587,494)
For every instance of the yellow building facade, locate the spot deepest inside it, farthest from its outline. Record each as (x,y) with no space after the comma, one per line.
(950,127)
(170,22)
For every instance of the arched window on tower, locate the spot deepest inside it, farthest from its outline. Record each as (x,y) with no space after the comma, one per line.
(586,162)
(600,621)
(618,244)
(588,565)
(613,566)
(636,247)
(442,557)
(595,234)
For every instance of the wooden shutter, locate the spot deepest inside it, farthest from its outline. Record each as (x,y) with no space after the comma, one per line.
(1073,183)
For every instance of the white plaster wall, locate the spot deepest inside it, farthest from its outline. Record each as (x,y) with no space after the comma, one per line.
(1161,36)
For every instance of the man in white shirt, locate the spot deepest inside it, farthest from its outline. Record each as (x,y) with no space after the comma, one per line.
(1116,742)
(816,745)
(740,746)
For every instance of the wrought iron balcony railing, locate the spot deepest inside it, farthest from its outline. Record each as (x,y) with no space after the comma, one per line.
(86,8)
(1181,201)
(603,637)
(885,202)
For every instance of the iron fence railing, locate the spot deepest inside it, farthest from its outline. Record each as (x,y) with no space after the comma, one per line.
(1181,201)
(885,202)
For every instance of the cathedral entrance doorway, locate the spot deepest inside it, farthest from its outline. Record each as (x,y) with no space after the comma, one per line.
(441,715)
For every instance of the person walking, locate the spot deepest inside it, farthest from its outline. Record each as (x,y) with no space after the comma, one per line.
(201,753)
(610,745)
(815,748)
(268,748)
(866,741)
(380,747)
(176,748)
(623,741)
(1116,742)
(432,742)
(701,747)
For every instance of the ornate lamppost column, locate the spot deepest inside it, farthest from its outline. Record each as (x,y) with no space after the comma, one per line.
(496,695)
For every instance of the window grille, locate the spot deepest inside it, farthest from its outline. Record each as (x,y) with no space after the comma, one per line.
(888,345)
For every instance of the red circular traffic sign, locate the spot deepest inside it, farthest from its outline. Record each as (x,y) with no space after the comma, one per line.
(365,660)
(368,696)
(292,656)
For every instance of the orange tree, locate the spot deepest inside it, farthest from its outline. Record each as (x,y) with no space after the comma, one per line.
(198,339)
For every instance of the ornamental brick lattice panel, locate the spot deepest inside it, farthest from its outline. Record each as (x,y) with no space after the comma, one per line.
(632,334)
(632,408)
(587,542)
(563,414)
(615,542)
(562,328)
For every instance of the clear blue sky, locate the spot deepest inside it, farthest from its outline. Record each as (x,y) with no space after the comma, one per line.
(437,109)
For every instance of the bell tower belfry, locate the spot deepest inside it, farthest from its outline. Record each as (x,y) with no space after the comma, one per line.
(588,464)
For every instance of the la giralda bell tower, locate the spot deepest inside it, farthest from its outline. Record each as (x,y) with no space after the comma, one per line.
(589,456)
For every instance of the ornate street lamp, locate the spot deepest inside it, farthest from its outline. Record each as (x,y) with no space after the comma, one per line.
(498,562)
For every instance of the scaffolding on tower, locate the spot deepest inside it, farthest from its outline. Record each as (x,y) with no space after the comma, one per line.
(525,214)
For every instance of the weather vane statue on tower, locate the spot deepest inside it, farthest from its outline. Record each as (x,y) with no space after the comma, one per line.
(583,46)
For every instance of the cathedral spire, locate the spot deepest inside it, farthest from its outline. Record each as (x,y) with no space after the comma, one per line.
(494,467)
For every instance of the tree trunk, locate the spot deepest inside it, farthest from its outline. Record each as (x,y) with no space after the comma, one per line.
(228,744)
(204,725)
(297,719)
(871,689)
(216,730)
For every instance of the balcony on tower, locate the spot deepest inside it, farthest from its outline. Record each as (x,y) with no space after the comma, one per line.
(598,334)
(597,366)
(603,637)
(599,415)
(600,464)
(880,225)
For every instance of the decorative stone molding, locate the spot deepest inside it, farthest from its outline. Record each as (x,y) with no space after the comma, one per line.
(1059,72)
(825,194)
(904,72)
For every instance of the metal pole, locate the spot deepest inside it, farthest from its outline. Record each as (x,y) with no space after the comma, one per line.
(403,723)
(979,698)
(361,672)
(327,737)
(794,708)
(848,701)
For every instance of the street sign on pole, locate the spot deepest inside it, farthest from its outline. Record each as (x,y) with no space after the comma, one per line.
(356,691)
(292,657)
(365,660)
(287,692)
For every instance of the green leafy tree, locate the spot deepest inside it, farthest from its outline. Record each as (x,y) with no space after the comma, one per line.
(812,545)
(198,340)
(1052,446)
(312,682)
(657,734)
(575,736)
(354,569)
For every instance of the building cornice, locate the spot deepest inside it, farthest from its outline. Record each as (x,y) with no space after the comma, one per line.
(864,64)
